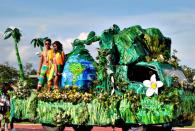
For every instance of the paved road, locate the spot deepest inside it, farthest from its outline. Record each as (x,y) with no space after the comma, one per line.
(38,127)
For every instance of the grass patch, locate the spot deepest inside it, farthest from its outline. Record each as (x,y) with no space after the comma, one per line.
(192,126)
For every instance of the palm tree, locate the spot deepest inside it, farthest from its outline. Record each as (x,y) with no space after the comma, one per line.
(39,42)
(16,35)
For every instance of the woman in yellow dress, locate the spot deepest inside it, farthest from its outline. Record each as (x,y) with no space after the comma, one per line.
(58,63)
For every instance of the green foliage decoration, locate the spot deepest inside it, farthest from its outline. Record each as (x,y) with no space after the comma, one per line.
(38,42)
(61,117)
(72,95)
(101,68)
(16,35)
(22,89)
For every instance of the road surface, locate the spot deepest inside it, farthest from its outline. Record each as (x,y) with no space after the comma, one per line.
(38,127)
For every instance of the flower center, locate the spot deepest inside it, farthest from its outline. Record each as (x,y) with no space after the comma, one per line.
(153,85)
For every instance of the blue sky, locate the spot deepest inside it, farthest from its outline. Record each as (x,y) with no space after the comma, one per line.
(66,20)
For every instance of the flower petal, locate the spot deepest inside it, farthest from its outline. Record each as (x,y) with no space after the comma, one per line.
(112,92)
(112,79)
(153,78)
(159,84)
(156,91)
(147,83)
(150,92)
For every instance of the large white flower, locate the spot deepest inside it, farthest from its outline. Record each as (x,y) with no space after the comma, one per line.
(152,85)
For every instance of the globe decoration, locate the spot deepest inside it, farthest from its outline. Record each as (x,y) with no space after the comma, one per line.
(79,69)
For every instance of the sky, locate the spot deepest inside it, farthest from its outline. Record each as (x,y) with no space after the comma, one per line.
(65,21)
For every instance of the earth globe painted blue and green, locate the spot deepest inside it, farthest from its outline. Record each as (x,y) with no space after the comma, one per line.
(79,69)
(79,72)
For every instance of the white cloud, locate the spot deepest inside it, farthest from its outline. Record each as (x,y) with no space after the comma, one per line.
(83,36)
(26,51)
(93,49)
(1,35)
(67,46)
(67,42)
(12,56)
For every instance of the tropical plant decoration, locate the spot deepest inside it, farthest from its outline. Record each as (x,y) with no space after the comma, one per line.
(22,90)
(154,45)
(92,38)
(157,45)
(38,42)
(61,118)
(101,67)
(174,59)
(71,95)
(16,35)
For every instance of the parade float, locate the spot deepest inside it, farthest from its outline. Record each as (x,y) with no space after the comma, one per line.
(133,80)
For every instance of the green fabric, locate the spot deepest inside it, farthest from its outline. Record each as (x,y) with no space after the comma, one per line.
(138,87)
(20,111)
(99,114)
(60,68)
(126,111)
(46,111)
(121,73)
(128,45)
(42,76)
(150,111)
(106,40)
(188,102)
(31,106)
(12,108)
(91,114)
(159,69)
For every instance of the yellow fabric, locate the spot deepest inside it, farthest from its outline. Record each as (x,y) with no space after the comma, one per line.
(51,73)
(58,59)
(49,57)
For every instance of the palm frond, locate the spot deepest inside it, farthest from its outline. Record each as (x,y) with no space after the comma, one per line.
(8,30)
(34,42)
(16,35)
(40,42)
(7,33)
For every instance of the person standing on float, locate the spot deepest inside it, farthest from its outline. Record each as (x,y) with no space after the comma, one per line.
(58,63)
(46,60)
